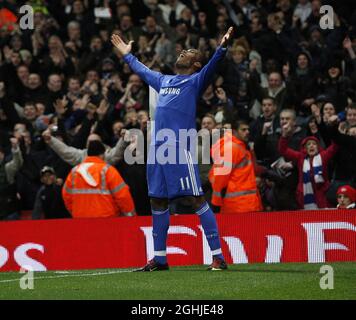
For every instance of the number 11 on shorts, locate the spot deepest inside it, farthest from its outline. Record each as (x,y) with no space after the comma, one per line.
(185,184)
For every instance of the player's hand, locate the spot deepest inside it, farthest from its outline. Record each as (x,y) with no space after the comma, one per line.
(226,37)
(120,45)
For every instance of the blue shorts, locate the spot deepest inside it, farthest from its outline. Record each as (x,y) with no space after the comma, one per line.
(173,180)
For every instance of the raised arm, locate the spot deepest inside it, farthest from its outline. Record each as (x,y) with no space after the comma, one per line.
(12,167)
(206,73)
(283,148)
(285,151)
(330,152)
(152,78)
(71,155)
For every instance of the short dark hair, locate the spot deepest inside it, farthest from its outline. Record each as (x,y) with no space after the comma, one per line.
(95,148)
(210,116)
(240,123)
(30,103)
(269,98)
(351,106)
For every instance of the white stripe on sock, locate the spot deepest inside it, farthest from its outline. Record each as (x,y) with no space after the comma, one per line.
(203,210)
(159,212)
(162,253)
(217,251)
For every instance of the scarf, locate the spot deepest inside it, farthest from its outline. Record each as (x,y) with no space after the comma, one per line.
(308,192)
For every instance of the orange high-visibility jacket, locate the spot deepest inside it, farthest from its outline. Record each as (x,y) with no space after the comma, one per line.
(233,177)
(95,189)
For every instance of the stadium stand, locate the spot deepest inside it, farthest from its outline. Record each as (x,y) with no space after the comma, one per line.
(64,82)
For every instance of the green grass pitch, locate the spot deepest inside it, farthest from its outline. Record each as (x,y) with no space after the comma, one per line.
(248,281)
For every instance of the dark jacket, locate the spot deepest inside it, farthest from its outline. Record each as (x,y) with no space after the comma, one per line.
(345,159)
(266,146)
(49,204)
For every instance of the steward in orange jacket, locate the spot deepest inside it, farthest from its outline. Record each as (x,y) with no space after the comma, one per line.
(233,176)
(95,189)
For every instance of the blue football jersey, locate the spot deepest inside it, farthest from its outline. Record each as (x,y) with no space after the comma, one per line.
(177,99)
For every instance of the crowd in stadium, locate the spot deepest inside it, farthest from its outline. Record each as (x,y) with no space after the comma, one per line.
(62,85)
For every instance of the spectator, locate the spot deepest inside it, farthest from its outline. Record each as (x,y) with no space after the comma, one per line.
(346,197)
(49,202)
(33,90)
(312,162)
(135,95)
(303,83)
(9,205)
(30,114)
(134,174)
(171,11)
(235,70)
(28,177)
(303,10)
(8,115)
(92,57)
(57,60)
(335,85)
(345,170)
(208,126)
(73,90)
(75,156)
(96,189)
(276,89)
(207,102)
(54,91)
(128,30)
(267,133)
(263,131)
(283,173)
(234,187)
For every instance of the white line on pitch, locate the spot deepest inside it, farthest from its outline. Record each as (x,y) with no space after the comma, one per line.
(71,275)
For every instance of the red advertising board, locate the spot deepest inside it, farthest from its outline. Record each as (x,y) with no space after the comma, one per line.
(301,236)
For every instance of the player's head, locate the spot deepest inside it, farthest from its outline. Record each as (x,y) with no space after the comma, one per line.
(190,59)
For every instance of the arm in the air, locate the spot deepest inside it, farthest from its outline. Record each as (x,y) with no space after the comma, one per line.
(152,78)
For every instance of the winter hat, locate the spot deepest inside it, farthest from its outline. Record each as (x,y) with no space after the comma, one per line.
(347,191)
(96,148)
(304,142)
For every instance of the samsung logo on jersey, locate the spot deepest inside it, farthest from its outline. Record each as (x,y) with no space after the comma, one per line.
(170,91)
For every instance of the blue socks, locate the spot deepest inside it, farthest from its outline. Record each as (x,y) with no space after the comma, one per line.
(160,221)
(208,222)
